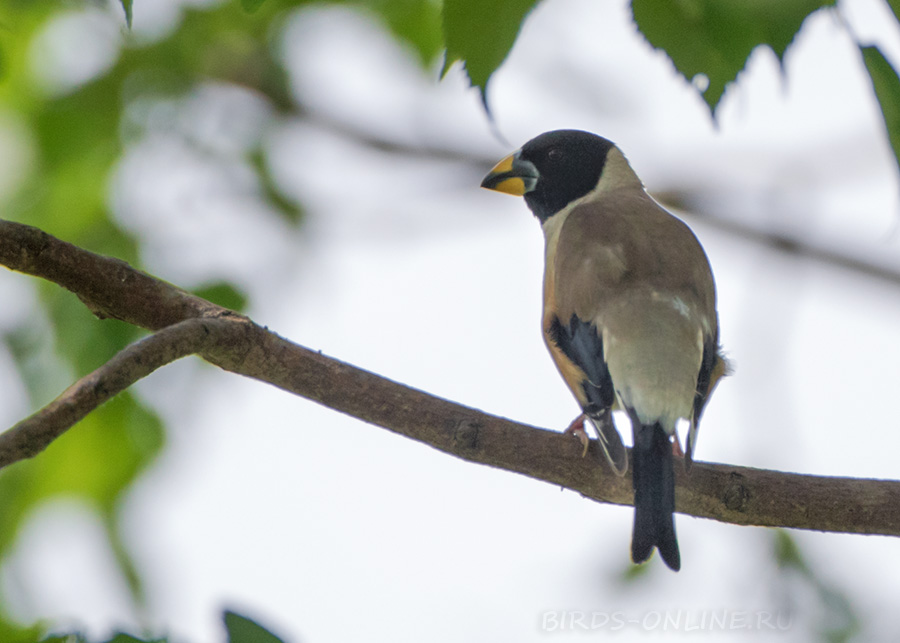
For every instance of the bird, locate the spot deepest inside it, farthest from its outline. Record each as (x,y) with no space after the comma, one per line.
(629,313)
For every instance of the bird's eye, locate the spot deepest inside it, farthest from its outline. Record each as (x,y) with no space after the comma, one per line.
(555,154)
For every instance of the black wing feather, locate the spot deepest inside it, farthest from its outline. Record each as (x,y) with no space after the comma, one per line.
(704,377)
(580,342)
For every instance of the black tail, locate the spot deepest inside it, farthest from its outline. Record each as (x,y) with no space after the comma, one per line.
(654,495)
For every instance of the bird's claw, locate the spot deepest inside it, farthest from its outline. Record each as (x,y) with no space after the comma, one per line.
(577,429)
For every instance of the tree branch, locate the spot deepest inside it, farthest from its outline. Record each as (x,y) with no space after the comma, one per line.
(35,433)
(737,495)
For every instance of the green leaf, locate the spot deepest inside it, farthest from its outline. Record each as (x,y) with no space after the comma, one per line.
(96,459)
(886,84)
(127,638)
(251,5)
(126,5)
(481,33)
(895,7)
(12,634)
(77,637)
(242,630)
(83,340)
(839,621)
(416,22)
(715,38)
(787,554)
(289,209)
(224,294)
(634,573)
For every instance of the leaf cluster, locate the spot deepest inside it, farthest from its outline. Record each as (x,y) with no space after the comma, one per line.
(239,629)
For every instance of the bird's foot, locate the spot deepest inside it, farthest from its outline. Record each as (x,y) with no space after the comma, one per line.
(577,429)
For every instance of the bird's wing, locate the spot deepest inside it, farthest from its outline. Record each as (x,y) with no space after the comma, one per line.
(614,260)
(714,366)
(578,345)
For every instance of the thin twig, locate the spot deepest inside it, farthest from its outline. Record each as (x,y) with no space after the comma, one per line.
(35,433)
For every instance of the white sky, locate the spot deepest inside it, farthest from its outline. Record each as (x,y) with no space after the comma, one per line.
(327,529)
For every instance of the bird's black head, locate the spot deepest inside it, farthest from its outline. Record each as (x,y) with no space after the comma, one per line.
(552,170)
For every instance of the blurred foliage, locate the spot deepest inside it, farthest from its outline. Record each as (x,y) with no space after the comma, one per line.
(242,630)
(836,620)
(250,5)
(11,634)
(80,638)
(73,136)
(414,22)
(223,294)
(886,84)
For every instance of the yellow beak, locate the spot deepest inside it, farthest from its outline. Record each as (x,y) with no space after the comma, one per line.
(512,175)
